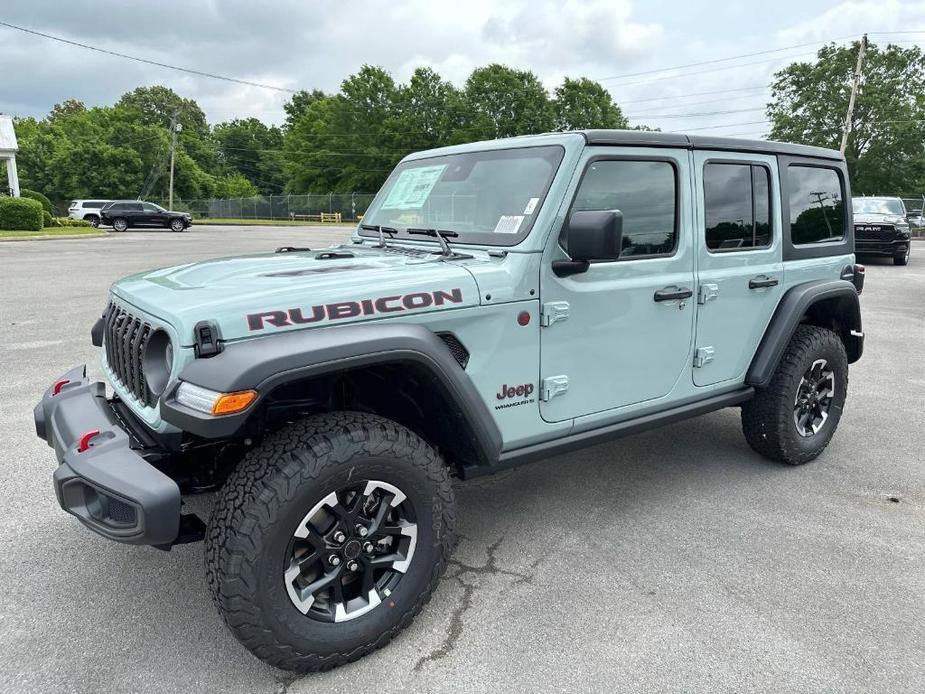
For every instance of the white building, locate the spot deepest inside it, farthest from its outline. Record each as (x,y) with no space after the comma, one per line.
(8,149)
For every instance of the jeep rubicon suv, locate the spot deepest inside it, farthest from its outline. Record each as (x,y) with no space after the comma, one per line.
(501,302)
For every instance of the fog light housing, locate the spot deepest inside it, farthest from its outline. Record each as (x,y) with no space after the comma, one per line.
(213,402)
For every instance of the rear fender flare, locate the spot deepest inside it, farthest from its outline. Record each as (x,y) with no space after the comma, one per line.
(836,299)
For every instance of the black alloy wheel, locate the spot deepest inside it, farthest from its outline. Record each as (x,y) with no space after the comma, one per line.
(351,551)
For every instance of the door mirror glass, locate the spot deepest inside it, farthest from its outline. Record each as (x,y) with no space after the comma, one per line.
(594,235)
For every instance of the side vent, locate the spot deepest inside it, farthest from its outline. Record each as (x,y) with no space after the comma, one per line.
(460,353)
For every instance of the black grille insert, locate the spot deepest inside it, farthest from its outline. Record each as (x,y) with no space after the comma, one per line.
(460,353)
(126,339)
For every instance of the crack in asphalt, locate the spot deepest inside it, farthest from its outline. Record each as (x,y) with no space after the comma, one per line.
(283,682)
(490,568)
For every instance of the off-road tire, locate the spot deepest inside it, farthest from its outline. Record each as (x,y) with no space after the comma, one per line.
(903,259)
(269,493)
(768,419)
(119,224)
(176,225)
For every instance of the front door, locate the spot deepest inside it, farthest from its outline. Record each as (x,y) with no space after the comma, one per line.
(620,333)
(740,270)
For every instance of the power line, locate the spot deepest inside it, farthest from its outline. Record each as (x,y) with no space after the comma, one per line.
(719,60)
(147,61)
(657,116)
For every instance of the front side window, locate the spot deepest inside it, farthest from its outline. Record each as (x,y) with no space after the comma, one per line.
(489,197)
(148,207)
(645,192)
(736,206)
(817,205)
(93,205)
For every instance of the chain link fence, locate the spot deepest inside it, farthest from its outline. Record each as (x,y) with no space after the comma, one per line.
(310,206)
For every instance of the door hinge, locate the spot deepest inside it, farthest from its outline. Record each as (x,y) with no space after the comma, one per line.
(553,386)
(703,356)
(707,292)
(553,311)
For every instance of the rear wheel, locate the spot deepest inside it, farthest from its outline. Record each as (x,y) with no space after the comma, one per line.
(794,418)
(119,224)
(903,258)
(329,538)
(177,225)
(93,219)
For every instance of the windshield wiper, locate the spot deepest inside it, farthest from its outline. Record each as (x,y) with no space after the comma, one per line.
(440,234)
(391,231)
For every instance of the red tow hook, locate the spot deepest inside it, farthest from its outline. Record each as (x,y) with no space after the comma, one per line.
(56,388)
(84,442)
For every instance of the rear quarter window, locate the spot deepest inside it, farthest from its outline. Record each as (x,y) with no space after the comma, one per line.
(817,205)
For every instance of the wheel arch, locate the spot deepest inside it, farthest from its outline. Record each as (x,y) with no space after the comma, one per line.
(401,371)
(829,304)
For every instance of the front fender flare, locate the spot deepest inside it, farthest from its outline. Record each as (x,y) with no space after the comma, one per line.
(265,363)
(795,304)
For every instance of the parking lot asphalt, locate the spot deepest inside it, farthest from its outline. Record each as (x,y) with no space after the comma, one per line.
(676,560)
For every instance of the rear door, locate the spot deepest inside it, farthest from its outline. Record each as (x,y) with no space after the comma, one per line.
(740,267)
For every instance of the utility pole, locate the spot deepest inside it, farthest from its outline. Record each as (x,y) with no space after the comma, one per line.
(175,127)
(854,91)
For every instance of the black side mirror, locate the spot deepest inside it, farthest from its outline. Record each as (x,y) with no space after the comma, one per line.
(590,235)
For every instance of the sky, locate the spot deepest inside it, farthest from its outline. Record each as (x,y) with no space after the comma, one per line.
(304,44)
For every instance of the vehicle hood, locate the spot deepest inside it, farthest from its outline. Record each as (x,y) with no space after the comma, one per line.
(878,218)
(249,296)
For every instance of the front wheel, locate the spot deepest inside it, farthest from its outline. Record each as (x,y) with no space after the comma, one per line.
(119,224)
(903,258)
(93,219)
(177,225)
(795,417)
(329,538)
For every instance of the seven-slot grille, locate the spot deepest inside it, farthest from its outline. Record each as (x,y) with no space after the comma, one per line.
(125,339)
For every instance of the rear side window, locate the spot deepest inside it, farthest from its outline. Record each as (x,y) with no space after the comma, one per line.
(645,192)
(817,205)
(737,206)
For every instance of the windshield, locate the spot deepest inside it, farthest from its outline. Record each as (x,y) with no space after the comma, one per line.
(489,197)
(878,206)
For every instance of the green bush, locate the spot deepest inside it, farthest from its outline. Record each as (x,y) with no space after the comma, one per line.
(47,219)
(20,214)
(35,195)
(68,222)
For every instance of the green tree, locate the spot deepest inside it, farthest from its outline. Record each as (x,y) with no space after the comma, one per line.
(583,103)
(503,102)
(253,150)
(296,107)
(886,146)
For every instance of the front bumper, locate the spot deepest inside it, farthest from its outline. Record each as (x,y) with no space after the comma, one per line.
(101,479)
(880,247)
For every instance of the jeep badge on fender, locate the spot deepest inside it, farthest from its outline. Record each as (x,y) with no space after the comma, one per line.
(331,397)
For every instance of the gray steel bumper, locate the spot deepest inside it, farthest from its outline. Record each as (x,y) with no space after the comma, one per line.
(108,486)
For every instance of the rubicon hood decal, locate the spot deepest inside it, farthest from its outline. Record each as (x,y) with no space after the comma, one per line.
(282,318)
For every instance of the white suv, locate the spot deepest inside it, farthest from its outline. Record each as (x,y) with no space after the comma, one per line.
(86,209)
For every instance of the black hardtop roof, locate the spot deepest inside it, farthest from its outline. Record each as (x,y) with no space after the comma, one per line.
(645,138)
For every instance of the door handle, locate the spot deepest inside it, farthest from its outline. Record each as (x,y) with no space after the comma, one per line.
(673,293)
(761,282)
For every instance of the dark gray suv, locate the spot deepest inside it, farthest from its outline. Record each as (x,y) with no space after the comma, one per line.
(125,214)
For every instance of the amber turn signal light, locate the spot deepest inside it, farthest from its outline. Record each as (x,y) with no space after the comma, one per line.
(229,403)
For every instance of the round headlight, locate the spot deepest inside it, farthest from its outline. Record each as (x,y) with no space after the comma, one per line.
(158,361)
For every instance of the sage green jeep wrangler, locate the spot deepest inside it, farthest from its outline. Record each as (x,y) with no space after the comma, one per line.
(501,302)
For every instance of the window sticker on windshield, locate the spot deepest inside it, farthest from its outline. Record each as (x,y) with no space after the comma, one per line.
(412,188)
(531,205)
(509,224)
